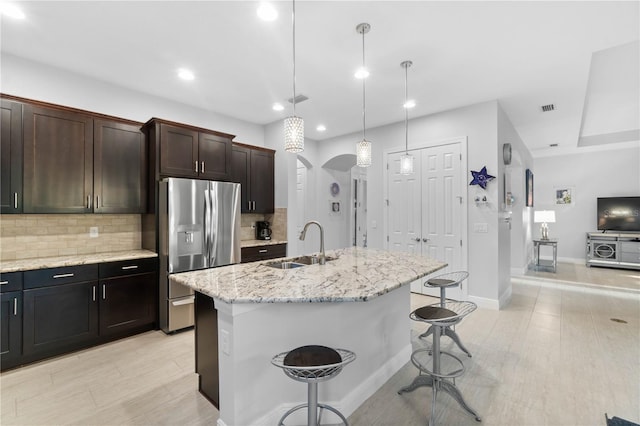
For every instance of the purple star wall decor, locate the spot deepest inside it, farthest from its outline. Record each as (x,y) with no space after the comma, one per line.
(481,178)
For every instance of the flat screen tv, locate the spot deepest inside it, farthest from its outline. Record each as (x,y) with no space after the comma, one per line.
(619,214)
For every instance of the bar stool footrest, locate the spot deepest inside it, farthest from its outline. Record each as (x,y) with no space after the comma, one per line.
(320,406)
(455,371)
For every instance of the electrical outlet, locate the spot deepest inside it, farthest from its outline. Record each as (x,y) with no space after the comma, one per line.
(224,342)
(481,228)
(93,232)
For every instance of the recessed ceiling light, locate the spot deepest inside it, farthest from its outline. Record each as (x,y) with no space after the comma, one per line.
(267,12)
(409,104)
(362,73)
(321,128)
(11,10)
(185,74)
(277,107)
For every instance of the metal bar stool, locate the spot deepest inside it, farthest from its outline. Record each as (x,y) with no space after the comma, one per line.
(313,364)
(434,370)
(450,279)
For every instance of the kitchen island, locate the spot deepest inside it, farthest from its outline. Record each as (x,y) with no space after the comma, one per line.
(359,300)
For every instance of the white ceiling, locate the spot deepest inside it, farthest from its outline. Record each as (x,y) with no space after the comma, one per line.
(525,54)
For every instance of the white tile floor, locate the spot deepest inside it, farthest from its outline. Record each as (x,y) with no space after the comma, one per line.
(552,357)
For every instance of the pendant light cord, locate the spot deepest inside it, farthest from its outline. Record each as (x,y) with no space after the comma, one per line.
(293,18)
(406,110)
(364,113)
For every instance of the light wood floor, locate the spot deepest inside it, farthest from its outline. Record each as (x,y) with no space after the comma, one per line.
(552,357)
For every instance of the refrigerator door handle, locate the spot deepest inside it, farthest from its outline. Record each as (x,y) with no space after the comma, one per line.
(207,226)
(214,231)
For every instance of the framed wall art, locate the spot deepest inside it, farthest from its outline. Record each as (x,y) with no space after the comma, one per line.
(564,196)
(529,187)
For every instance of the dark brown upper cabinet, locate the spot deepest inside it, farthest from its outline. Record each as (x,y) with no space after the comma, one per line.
(191,152)
(79,162)
(11,157)
(120,168)
(253,169)
(58,161)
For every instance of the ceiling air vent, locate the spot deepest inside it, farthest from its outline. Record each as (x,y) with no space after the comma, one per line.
(547,108)
(299,98)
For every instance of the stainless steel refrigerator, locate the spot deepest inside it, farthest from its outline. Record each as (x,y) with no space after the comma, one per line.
(199,226)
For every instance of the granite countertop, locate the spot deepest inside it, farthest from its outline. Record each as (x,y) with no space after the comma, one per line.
(257,243)
(357,274)
(81,259)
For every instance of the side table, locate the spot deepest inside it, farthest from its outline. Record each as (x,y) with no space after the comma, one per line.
(544,263)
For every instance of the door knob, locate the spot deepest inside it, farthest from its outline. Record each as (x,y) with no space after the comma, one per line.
(424,240)
(417,239)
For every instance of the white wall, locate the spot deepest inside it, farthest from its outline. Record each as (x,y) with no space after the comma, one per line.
(606,172)
(478,123)
(33,80)
(514,243)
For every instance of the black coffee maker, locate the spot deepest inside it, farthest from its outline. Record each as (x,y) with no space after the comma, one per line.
(263,231)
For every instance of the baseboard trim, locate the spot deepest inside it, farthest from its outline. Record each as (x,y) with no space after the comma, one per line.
(505,297)
(485,303)
(351,401)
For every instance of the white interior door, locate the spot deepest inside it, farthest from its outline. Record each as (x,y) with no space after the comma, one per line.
(442,210)
(425,209)
(404,208)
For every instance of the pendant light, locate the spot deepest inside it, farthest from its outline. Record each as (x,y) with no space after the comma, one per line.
(363,148)
(406,160)
(293,125)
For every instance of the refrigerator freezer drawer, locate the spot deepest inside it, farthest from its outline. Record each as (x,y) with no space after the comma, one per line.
(181,313)
(178,290)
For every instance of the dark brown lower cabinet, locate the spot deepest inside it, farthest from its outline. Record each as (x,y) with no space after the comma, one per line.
(253,254)
(206,321)
(64,309)
(59,318)
(127,303)
(10,328)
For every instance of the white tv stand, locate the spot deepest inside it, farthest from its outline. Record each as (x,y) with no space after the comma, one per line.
(613,250)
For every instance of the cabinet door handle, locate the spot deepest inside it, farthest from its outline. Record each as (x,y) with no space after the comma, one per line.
(104,291)
(4,282)
(196,163)
(88,201)
(63,275)
(248,205)
(202,167)
(97,201)
(124,268)
(15,200)
(15,306)
(94,293)
(262,251)
(254,205)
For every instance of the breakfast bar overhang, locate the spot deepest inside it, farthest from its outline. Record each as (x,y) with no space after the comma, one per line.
(359,300)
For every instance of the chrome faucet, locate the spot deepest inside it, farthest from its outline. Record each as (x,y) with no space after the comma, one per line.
(304,233)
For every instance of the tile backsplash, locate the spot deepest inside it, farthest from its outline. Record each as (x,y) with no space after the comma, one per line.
(30,236)
(278,222)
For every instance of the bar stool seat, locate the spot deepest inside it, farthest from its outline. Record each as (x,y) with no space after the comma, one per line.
(313,364)
(433,372)
(444,281)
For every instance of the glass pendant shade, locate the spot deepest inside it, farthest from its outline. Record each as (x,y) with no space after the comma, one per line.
(363,153)
(406,164)
(293,134)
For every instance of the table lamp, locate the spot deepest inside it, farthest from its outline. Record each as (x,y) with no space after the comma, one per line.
(544,217)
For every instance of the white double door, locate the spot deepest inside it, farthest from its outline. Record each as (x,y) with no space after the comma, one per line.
(425,210)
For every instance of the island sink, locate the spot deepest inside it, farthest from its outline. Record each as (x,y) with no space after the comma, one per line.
(285,265)
(297,262)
